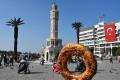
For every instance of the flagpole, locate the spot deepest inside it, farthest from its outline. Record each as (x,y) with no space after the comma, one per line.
(100,19)
(105,49)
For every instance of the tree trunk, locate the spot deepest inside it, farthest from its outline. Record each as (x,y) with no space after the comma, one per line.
(78,36)
(15,42)
(77,57)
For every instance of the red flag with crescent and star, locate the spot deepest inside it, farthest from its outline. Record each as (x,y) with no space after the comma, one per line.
(110,32)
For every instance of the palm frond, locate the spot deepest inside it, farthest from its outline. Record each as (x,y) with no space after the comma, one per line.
(15,22)
(76,25)
(9,23)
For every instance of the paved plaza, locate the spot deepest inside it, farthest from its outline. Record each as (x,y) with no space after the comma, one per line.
(106,71)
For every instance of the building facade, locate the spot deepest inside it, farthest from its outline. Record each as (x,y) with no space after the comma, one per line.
(53,44)
(94,37)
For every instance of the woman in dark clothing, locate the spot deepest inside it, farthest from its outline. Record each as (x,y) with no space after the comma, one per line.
(111,61)
(0,60)
(80,66)
(11,60)
(5,60)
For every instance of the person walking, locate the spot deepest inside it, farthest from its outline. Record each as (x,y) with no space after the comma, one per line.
(111,60)
(118,59)
(8,60)
(5,60)
(11,60)
(0,60)
(42,61)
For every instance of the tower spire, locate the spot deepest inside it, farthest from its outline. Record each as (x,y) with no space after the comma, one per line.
(53,1)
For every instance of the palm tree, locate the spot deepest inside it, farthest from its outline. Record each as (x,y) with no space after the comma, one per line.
(76,26)
(15,23)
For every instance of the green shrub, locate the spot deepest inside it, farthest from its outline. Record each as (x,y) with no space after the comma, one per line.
(118,52)
(114,49)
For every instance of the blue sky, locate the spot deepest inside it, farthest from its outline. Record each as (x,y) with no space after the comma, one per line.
(36,15)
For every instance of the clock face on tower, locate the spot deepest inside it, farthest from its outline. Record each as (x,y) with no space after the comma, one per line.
(53,15)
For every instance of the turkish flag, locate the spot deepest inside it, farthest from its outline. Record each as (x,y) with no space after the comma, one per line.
(110,33)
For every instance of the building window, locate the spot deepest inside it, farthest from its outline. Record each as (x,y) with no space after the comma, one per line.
(52,42)
(48,43)
(56,43)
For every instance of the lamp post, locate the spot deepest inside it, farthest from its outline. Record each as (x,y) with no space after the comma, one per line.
(111,49)
(118,35)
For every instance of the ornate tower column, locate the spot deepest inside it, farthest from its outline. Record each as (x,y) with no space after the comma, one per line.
(54,15)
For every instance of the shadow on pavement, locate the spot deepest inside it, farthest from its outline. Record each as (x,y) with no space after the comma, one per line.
(100,70)
(37,72)
(114,69)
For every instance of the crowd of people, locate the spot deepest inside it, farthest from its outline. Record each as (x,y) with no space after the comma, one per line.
(6,60)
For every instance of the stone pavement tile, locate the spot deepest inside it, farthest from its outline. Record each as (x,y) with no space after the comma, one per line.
(104,68)
(39,72)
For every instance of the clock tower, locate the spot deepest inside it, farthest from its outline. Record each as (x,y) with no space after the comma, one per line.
(53,44)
